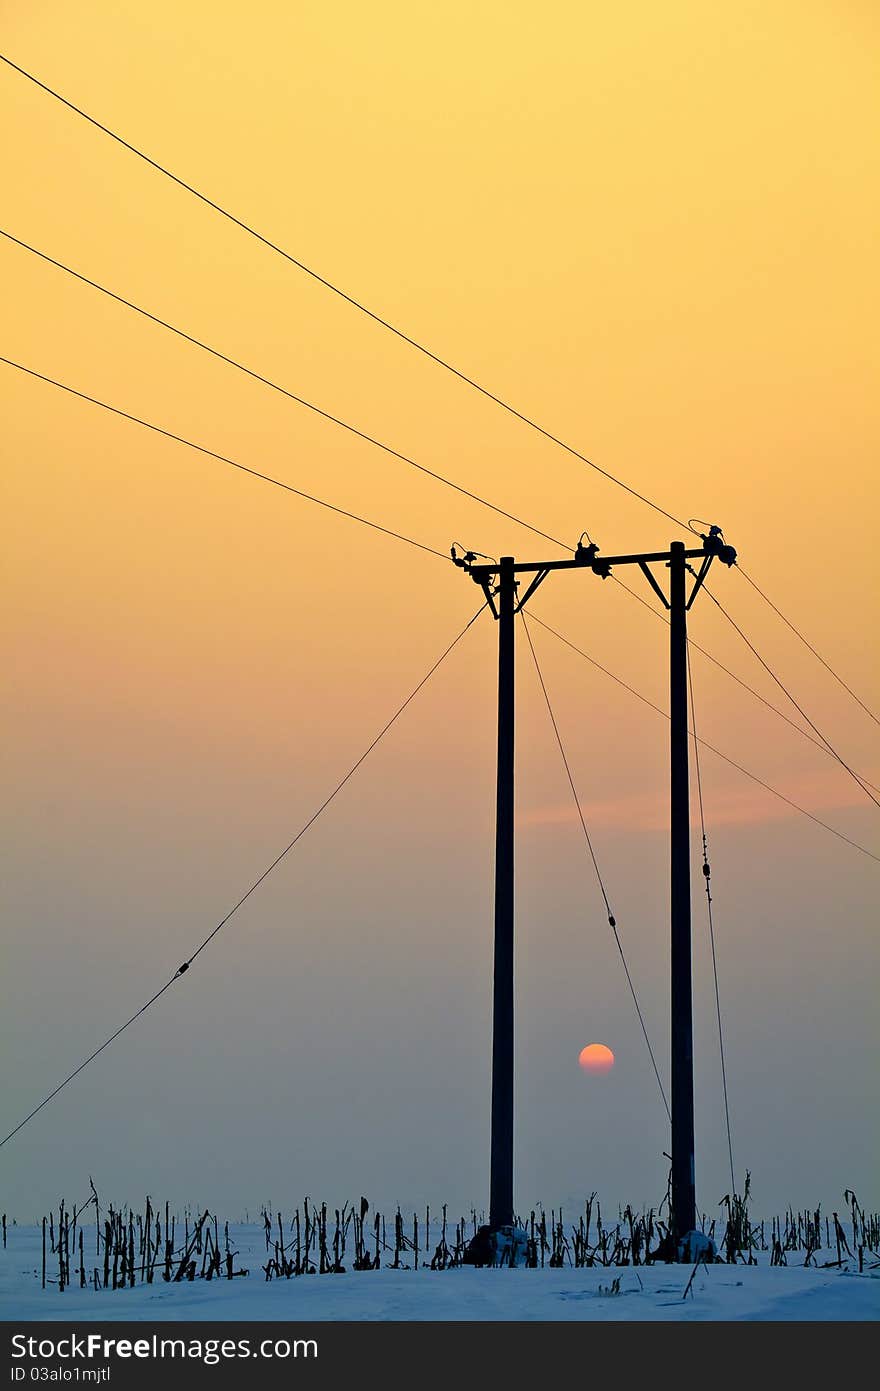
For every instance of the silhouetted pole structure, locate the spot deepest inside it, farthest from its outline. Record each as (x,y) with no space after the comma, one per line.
(498,582)
(683,1194)
(501,1168)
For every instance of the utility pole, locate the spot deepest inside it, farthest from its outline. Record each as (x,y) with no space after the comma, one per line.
(501,1168)
(498,582)
(682,1090)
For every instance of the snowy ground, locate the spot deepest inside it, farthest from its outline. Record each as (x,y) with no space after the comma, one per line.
(646,1293)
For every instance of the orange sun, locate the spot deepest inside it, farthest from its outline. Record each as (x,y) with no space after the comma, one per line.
(596,1058)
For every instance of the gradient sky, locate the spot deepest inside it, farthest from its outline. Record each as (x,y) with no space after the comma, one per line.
(652,227)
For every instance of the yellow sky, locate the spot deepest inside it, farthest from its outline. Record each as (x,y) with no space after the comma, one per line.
(652,227)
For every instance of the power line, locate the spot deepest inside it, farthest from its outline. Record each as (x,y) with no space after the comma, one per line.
(738,766)
(434,357)
(804,733)
(223,459)
(807,644)
(300,400)
(342,294)
(612,921)
(707,878)
(823,745)
(412,342)
(181,970)
(345,425)
(801,711)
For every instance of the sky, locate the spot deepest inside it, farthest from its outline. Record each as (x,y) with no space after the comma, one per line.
(653,230)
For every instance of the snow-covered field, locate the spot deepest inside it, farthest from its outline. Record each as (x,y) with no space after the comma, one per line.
(654,1293)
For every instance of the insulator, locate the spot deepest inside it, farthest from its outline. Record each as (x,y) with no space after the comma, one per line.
(585,555)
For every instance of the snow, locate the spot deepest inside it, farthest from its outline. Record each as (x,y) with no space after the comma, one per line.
(696,1245)
(727,1292)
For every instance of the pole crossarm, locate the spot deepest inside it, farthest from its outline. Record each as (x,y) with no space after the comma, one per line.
(588,558)
(589,562)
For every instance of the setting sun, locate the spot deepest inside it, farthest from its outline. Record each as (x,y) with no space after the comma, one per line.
(596,1058)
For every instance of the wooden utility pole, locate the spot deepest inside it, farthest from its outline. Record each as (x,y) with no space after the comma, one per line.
(501,1168)
(682,1040)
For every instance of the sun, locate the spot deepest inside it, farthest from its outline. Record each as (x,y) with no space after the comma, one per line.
(596,1058)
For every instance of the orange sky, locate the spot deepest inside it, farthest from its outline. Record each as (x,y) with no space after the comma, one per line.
(653,228)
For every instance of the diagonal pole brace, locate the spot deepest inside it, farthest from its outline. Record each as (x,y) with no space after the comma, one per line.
(539,579)
(704,570)
(653,583)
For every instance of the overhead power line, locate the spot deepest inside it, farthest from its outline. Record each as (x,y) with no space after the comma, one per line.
(800,709)
(342,294)
(407,338)
(282,390)
(223,459)
(327,415)
(375,526)
(612,921)
(768,704)
(798,634)
(738,766)
(182,969)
